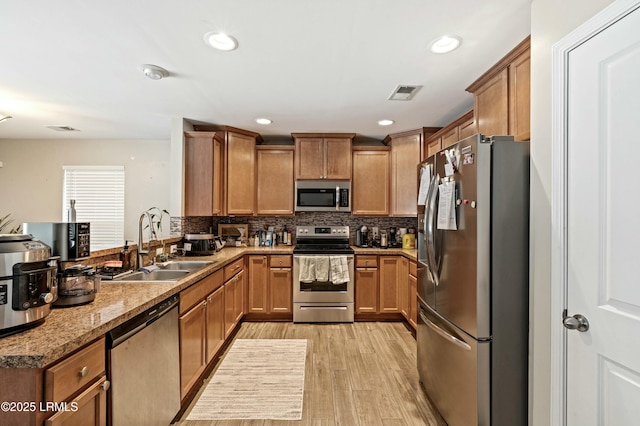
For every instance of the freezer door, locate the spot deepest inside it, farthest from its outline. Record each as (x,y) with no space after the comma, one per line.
(454,369)
(426,285)
(463,290)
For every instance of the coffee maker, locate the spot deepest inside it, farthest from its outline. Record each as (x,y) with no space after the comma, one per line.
(364,236)
(392,237)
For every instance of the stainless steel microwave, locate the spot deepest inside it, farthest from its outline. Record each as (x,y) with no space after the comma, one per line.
(323,196)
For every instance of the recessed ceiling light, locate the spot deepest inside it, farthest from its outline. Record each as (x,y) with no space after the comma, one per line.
(154,72)
(221,41)
(385,122)
(445,44)
(264,121)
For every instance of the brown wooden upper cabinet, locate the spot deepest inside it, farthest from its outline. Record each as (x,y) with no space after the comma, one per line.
(502,95)
(371,180)
(460,128)
(323,155)
(406,152)
(203,173)
(239,169)
(274,182)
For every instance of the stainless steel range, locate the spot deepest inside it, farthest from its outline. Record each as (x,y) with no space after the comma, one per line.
(323,275)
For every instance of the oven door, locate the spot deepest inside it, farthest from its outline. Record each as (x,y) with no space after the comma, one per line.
(322,291)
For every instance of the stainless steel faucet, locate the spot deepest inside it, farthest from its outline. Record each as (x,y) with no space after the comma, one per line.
(152,237)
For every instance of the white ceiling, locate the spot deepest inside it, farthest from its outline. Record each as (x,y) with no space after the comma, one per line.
(309,65)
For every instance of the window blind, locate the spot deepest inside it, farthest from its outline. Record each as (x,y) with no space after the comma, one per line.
(99,195)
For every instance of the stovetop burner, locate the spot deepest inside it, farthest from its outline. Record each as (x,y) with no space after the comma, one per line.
(322,240)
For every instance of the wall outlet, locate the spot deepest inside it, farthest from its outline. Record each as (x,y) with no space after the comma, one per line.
(173,248)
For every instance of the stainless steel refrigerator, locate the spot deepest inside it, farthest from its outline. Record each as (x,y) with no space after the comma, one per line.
(473,252)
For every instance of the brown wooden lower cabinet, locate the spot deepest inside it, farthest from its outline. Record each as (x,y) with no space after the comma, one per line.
(192,347)
(214,323)
(91,408)
(270,284)
(389,284)
(201,328)
(366,285)
(403,285)
(233,302)
(412,314)
(280,290)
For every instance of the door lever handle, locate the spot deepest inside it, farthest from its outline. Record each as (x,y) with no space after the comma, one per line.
(576,322)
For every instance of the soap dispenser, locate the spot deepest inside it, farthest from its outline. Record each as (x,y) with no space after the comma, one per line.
(125,256)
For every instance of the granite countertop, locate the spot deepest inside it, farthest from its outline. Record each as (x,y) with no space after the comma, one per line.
(411,254)
(67,329)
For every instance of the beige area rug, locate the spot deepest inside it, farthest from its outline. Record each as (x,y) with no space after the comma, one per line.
(258,379)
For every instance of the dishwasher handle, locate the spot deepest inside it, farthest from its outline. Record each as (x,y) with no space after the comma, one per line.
(124,331)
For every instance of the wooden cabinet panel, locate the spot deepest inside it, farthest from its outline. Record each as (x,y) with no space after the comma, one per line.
(405,156)
(413,301)
(91,408)
(467,128)
(502,95)
(258,279)
(389,286)
(366,261)
(202,173)
(323,155)
(280,290)
(370,185)
(450,137)
(366,285)
(520,97)
(238,299)
(233,268)
(192,347)
(338,158)
(215,322)
(403,286)
(275,180)
(434,145)
(492,107)
(72,374)
(280,261)
(309,158)
(240,174)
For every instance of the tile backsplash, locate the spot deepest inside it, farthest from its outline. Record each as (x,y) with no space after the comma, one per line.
(194,225)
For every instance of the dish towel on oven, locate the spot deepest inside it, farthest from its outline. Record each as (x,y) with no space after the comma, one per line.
(339,269)
(322,268)
(307,269)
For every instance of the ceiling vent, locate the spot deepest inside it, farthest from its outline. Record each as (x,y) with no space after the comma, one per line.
(62,128)
(404,93)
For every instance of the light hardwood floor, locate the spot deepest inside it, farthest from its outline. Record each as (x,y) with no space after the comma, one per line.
(360,374)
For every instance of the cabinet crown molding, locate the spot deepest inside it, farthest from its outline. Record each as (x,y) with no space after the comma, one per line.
(501,64)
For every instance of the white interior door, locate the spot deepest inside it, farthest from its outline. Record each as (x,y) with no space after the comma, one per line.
(602,193)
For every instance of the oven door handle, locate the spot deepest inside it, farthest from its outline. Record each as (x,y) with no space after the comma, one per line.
(321,308)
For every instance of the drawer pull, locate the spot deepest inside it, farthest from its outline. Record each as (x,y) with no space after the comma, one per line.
(106,385)
(84,372)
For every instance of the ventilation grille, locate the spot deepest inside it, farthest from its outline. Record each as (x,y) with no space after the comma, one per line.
(404,93)
(62,128)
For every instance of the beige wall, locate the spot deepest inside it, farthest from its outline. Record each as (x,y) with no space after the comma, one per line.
(550,21)
(31,176)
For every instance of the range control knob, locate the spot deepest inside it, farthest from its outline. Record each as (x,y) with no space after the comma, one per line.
(46,297)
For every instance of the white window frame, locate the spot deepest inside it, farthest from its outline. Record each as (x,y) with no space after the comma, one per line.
(99,192)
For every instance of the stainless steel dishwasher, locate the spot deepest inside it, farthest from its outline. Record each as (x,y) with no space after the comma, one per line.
(144,367)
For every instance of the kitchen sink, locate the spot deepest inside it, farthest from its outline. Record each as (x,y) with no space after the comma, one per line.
(167,271)
(184,265)
(156,275)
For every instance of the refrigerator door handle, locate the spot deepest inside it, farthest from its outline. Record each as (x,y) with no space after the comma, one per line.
(444,334)
(429,228)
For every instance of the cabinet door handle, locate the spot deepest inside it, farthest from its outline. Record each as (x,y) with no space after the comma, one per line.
(106,385)
(84,371)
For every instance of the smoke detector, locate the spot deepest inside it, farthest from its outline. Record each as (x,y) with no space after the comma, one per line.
(154,72)
(404,93)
